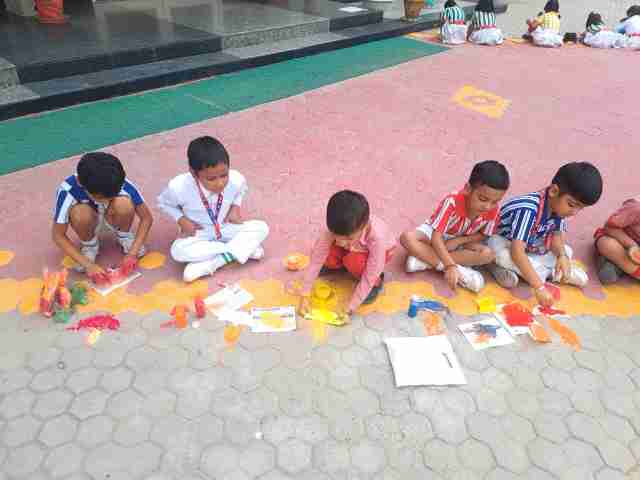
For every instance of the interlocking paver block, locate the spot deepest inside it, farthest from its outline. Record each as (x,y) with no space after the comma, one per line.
(551,427)
(586,379)
(132,431)
(210,430)
(52,403)
(218,460)
(368,457)
(41,359)
(23,460)
(83,380)
(48,380)
(64,460)
(347,426)
(17,403)
(124,404)
(416,428)
(587,402)
(95,431)
(441,457)
(78,358)
(383,428)
(89,403)
(21,430)
(554,402)
(58,430)
(294,456)
(258,458)
(491,402)
(12,380)
(116,380)
(312,429)
(331,457)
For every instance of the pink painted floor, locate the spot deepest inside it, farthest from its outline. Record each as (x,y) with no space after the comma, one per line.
(394,135)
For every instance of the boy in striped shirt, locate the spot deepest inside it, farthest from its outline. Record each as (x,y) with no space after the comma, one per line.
(452,239)
(100,196)
(530,242)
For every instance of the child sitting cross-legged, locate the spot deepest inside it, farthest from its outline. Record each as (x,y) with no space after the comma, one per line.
(544,30)
(630,27)
(617,244)
(451,240)
(205,203)
(355,241)
(597,35)
(531,234)
(453,27)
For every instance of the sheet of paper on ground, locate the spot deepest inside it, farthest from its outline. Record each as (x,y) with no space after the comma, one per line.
(424,361)
(230,298)
(107,289)
(275,319)
(486,334)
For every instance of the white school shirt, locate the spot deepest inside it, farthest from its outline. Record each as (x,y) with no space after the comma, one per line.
(181,198)
(631,26)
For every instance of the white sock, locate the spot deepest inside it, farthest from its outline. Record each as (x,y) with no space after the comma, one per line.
(220,261)
(89,243)
(440,266)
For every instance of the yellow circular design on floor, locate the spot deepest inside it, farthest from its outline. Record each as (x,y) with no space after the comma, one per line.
(152,260)
(5,257)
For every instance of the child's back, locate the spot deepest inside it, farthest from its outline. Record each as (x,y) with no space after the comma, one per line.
(453,28)
(484,30)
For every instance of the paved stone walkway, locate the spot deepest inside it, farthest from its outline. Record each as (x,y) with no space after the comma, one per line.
(154,403)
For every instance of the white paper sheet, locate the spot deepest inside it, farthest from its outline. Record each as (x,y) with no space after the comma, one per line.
(104,291)
(237,317)
(352,9)
(232,297)
(287,314)
(424,361)
(496,336)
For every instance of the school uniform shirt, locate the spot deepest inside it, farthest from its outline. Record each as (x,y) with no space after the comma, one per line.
(627,218)
(518,217)
(549,21)
(376,241)
(453,15)
(452,220)
(631,26)
(482,20)
(181,198)
(71,193)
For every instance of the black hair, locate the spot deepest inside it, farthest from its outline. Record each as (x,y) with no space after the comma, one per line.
(552,6)
(101,174)
(490,173)
(450,3)
(633,11)
(485,6)
(594,18)
(205,152)
(581,180)
(347,211)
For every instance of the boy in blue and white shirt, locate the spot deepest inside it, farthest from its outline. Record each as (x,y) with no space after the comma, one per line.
(530,242)
(100,196)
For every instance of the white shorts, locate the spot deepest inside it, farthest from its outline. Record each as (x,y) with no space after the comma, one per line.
(546,38)
(427,229)
(487,36)
(605,39)
(453,34)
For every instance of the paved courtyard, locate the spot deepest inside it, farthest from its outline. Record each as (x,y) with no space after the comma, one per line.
(152,403)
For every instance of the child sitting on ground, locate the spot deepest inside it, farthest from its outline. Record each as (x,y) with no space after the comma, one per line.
(630,27)
(206,204)
(530,240)
(545,28)
(597,35)
(483,29)
(355,241)
(453,28)
(451,241)
(100,197)
(617,244)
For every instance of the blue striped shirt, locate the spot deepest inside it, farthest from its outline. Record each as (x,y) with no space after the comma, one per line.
(71,193)
(518,217)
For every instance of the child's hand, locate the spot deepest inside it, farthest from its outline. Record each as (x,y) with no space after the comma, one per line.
(95,270)
(451,275)
(563,268)
(129,264)
(304,307)
(544,296)
(188,228)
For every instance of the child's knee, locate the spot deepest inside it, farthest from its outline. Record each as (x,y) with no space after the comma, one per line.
(83,217)
(606,244)
(121,207)
(487,255)
(408,238)
(178,252)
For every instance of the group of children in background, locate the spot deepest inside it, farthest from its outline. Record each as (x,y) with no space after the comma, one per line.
(523,239)
(543,30)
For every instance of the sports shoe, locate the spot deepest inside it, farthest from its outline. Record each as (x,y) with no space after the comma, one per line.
(375,291)
(608,272)
(416,265)
(577,277)
(89,250)
(470,279)
(195,270)
(505,278)
(126,239)
(258,254)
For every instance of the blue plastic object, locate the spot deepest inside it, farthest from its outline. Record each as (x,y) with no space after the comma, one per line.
(416,304)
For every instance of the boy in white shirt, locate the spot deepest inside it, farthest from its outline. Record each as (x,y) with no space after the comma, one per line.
(206,203)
